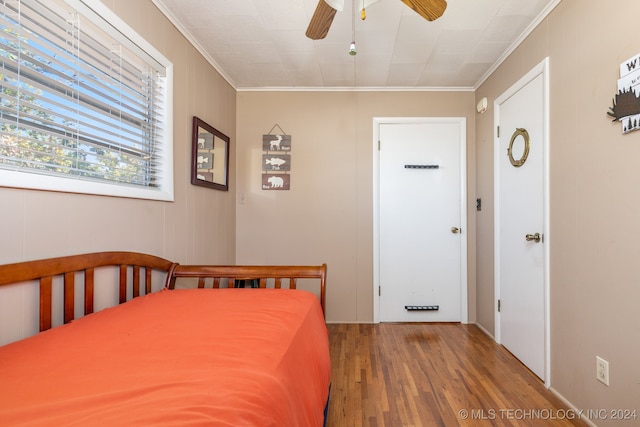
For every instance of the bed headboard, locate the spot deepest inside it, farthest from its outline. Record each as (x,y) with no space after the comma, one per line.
(46,270)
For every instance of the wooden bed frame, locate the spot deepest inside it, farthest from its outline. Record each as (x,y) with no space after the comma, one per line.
(163,352)
(136,277)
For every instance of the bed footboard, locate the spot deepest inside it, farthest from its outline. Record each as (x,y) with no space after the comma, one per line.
(217,276)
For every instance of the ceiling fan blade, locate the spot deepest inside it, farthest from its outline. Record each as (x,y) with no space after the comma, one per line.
(320,21)
(428,9)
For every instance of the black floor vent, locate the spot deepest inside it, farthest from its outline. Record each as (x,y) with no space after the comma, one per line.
(422,307)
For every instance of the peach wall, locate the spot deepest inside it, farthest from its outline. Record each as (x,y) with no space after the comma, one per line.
(594,206)
(327,216)
(198,227)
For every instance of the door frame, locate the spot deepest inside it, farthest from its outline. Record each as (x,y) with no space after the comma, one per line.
(377,121)
(541,69)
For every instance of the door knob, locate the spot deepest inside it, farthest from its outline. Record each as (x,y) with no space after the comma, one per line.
(533,237)
(455,230)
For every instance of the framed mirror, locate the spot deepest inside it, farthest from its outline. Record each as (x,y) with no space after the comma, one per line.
(210,156)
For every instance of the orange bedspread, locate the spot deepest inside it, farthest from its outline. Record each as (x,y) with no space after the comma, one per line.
(217,357)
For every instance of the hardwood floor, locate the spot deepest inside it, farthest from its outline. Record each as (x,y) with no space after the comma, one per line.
(433,375)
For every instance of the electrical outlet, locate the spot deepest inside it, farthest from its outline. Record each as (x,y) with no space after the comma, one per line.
(602,370)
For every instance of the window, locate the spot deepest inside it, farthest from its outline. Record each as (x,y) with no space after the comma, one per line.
(84,102)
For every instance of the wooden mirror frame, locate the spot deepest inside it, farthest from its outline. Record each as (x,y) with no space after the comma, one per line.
(210,151)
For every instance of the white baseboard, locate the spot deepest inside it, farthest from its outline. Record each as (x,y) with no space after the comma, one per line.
(572,407)
(490,335)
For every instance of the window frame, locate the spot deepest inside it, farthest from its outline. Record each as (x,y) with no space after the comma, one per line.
(114,26)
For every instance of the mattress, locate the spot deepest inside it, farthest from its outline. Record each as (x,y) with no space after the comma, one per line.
(223,357)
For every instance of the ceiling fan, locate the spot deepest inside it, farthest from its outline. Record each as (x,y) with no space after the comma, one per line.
(326,10)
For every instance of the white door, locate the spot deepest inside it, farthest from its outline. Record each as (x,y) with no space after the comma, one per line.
(421,242)
(520,221)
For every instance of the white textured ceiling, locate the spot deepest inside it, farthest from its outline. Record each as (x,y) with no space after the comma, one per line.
(261,44)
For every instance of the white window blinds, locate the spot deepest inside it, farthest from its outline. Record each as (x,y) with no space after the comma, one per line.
(81,101)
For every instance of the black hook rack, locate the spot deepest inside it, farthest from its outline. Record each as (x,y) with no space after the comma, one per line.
(421,166)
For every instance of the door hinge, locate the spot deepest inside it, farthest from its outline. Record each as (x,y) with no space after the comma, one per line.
(379,290)
(498,131)
(378,145)
(498,306)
